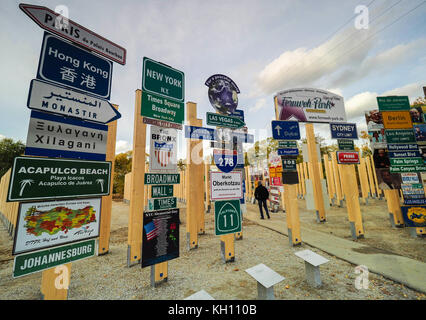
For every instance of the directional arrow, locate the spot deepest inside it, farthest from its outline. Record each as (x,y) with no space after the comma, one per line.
(278,128)
(285,130)
(46,97)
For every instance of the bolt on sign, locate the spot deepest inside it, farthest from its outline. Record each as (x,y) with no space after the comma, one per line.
(397,120)
(161,178)
(162,203)
(226,186)
(160,236)
(227,217)
(45,178)
(163,92)
(393,103)
(28,263)
(47,224)
(61,137)
(163,149)
(66,64)
(161,191)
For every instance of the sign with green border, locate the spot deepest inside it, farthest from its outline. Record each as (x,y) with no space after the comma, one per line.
(346,144)
(220,120)
(161,191)
(402,169)
(25,264)
(159,108)
(406,161)
(227,217)
(162,204)
(393,103)
(400,136)
(286,144)
(47,178)
(162,178)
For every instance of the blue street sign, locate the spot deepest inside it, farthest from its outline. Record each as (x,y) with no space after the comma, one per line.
(242,200)
(415,202)
(225,160)
(238,113)
(202,133)
(66,64)
(404,154)
(343,131)
(403,147)
(288,152)
(285,130)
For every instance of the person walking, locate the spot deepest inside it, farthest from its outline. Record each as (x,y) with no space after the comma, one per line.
(261,194)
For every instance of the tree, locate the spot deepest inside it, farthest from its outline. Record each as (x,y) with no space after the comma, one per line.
(122,166)
(9,149)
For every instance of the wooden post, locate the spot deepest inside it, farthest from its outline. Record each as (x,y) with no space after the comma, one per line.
(371,178)
(137,194)
(51,285)
(373,168)
(105,227)
(302,181)
(350,187)
(328,179)
(316,182)
(337,181)
(332,180)
(363,179)
(207,186)
(398,220)
(292,214)
(159,273)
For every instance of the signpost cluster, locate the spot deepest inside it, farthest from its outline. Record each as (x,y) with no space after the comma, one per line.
(63,175)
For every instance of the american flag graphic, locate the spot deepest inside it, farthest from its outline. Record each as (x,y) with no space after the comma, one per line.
(151,229)
(163,152)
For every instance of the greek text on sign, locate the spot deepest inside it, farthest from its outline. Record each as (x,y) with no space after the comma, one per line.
(163,80)
(47,224)
(347,157)
(59,100)
(310,105)
(28,263)
(70,30)
(46,178)
(66,64)
(225,186)
(285,130)
(343,131)
(61,137)
(397,120)
(163,149)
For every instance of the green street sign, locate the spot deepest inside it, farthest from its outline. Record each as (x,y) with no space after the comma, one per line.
(160,108)
(47,178)
(284,144)
(162,178)
(403,169)
(162,191)
(28,263)
(393,103)
(227,217)
(162,204)
(216,119)
(163,80)
(400,136)
(406,161)
(346,144)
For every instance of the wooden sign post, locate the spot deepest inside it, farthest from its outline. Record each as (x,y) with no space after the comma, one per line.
(316,180)
(328,179)
(373,191)
(137,192)
(373,168)
(207,186)
(292,214)
(105,227)
(335,167)
(54,286)
(332,181)
(363,179)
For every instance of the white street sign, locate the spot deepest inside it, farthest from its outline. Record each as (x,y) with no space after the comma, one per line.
(225,186)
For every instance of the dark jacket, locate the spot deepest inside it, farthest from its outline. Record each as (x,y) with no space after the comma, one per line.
(261,193)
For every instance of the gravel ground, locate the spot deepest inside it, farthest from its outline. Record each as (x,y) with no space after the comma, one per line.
(108,277)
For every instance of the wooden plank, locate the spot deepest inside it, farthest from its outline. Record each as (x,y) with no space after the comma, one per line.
(338,188)
(52,283)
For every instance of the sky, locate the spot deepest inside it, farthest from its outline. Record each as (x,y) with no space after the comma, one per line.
(263,46)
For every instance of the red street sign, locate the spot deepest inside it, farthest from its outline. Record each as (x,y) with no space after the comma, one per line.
(347,157)
(72,31)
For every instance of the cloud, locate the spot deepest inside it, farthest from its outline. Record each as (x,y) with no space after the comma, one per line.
(260,103)
(122,146)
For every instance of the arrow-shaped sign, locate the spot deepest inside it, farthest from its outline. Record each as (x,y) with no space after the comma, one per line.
(215,119)
(72,31)
(50,98)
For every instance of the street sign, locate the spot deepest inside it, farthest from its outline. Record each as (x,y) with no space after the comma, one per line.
(238,113)
(410,178)
(225,160)
(61,137)
(194,132)
(343,131)
(286,144)
(288,164)
(45,178)
(160,240)
(404,154)
(59,100)
(50,223)
(216,119)
(393,103)
(403,147)
(72,31)
(406,162)
(345,144)
(285,130)
(161,123)
(28,263)
(162,203)
(347,157)
(66,64)
(161,178)
(162,191)
(163,149)
(288,152)
(226,134)
(290,177)
(157,107)
(400,136)
(403,169)
(415,202)
(397,120)
(227,217)
(225,186)
(163,80)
